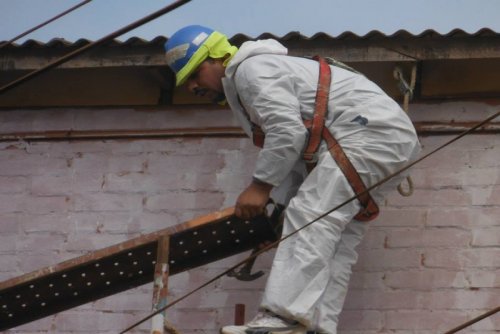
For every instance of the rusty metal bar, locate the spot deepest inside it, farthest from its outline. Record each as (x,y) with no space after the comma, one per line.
(423,128)
(44,23)
(448,128)
(160,286)
(239,314)
(122,134)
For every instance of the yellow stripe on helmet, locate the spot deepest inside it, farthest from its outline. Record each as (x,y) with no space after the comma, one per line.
(215,46)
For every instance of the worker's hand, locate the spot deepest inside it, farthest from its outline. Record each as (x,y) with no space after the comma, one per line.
(252,201)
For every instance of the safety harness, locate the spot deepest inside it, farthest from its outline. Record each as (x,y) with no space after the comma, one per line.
(317,133)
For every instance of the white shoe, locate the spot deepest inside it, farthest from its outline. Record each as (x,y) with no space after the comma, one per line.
(266,323)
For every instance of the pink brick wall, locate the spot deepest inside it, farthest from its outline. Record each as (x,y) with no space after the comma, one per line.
(430,262)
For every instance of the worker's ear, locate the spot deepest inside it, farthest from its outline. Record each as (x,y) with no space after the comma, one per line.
(217,60)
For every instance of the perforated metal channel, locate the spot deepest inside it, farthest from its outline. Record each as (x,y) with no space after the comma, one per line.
(119,271)
(62,290)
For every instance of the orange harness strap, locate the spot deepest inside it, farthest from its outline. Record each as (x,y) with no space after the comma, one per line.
(321,108)
(318,131)
(369,209)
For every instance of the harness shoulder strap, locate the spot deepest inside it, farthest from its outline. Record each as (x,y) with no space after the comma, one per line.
(321,107)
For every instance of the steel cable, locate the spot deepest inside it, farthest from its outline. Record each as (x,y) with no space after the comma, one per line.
(473,321)
(58,16)
(85,48)
(274,244)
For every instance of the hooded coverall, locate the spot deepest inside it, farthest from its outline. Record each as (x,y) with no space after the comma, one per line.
(263,85)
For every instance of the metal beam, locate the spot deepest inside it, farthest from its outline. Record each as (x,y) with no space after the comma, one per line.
(127,265)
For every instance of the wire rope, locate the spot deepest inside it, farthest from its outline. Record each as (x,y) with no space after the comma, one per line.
(85,48)
(473,321)
(274,244)
(58,16)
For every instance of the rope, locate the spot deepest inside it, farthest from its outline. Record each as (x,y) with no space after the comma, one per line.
(409,191)
(407,90)
(409,94)
(169,328)
(85,48)
(274,244)
(44,23)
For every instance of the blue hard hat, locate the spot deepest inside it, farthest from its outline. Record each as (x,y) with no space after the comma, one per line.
(190,46)
(183,44)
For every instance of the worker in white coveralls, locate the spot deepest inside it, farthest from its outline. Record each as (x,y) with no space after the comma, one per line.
(274,96)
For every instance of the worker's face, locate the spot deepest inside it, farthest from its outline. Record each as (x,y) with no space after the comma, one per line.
(206,81)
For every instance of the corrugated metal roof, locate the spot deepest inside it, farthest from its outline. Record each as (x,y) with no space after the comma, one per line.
(294,35)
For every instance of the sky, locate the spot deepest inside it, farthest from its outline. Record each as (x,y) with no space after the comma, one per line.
(251,17)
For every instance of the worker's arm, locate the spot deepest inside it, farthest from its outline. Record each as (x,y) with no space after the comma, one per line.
(267,92)
(253,199)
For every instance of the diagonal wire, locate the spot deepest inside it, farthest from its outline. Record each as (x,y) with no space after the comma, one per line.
(102,40)
(29,31)
(473,321)
(274,244)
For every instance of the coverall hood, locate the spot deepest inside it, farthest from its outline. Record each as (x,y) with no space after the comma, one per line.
(254,48)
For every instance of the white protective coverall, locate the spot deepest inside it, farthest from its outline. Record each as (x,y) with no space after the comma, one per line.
(310,272)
